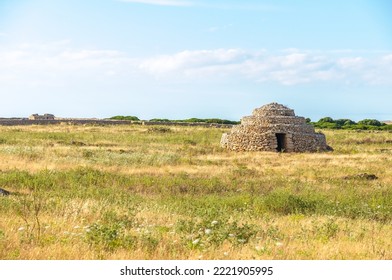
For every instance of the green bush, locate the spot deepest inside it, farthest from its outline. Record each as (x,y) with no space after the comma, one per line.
(285,203)
(366,124)
(371,122)
(326,119)
(125,118)
(109,237)
(160,120)
(342,122)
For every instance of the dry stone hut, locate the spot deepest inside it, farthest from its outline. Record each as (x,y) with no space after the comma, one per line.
(41,117)
(275,128)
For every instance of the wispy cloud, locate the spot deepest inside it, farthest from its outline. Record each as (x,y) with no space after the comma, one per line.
(192,60)
(57,63)
(222,5)
(214,29)
(178,3)
(289,67)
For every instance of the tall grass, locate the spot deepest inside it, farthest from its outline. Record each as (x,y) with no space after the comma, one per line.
(99,192)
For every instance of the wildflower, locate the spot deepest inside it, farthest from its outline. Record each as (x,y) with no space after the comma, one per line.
(213,223)
(208,231)
(196,241)
(258,248)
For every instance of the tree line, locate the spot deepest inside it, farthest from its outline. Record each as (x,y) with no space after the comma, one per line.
(366,124)
(326,123)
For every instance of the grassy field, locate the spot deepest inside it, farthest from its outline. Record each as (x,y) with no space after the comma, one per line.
(139,192)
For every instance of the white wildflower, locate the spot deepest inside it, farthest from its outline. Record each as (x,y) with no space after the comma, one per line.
(213,223)
(208,231)
(260,248)
(196,241)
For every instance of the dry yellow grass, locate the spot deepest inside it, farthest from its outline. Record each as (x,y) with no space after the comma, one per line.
(129,192)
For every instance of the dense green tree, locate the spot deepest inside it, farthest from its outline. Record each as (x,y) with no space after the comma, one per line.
(372,122)
(125,118)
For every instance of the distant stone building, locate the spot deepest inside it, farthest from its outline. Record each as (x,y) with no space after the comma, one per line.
(41,117)
(275,128)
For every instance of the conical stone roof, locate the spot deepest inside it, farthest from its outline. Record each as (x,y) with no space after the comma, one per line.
(273,109)
(274,127)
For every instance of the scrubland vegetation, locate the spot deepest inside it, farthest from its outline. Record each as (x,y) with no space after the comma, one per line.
(366,124)
(150,192)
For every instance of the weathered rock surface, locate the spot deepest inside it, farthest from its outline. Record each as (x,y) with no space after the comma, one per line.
(364,176)
(274,127)
(4,192)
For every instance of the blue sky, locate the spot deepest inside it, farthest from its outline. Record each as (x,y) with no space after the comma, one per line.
(195,58)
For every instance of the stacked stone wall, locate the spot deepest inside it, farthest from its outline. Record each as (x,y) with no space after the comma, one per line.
(273,110)
(309,142)
(16,121)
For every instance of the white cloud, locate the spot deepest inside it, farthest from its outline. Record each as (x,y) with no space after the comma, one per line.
(191,60)
(288,67)
(293,59)
(179,3)
(387,58)
(56,64)
(351,62)
(221,5)
(214,29)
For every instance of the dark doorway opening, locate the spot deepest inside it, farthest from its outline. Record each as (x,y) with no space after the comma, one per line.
(281,139)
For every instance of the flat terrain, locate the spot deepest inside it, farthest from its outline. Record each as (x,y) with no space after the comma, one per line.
(138,192)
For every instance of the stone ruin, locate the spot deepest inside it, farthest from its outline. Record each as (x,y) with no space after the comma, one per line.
(42,117)
(275,128)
